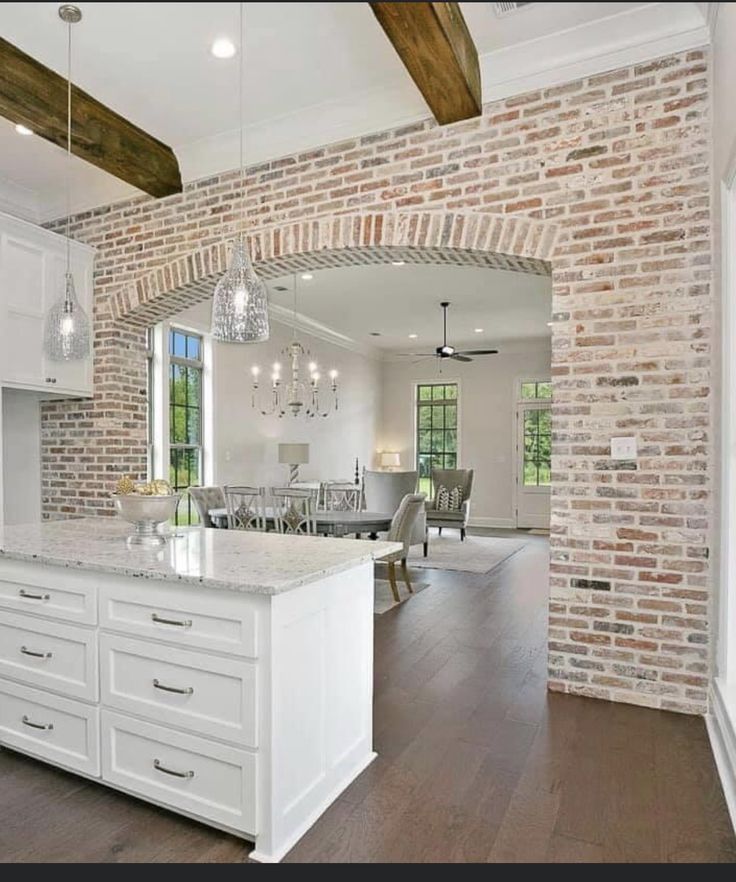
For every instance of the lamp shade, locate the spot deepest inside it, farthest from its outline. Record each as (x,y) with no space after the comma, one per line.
(293,454)
(390,460)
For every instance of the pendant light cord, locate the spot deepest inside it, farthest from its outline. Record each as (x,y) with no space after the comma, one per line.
(293,328)
(241,63)
(68,144)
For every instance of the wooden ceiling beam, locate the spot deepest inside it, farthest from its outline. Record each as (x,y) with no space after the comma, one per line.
(435,45)
(36,96)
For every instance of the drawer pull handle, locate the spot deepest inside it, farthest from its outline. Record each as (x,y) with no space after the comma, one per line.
(28,722)
(159,768)
(185,623)
(29,596)
(187,690)
(26,651)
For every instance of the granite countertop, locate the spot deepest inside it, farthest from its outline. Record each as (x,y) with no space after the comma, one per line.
(254,563)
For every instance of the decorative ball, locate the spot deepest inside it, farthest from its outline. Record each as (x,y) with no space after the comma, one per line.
(125,486)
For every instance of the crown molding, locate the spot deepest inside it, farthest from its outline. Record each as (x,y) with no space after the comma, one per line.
(320,331)
(619,40)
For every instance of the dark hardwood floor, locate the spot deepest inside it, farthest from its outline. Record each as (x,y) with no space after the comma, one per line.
(477,762)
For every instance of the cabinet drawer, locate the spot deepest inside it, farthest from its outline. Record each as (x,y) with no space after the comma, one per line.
(208,780)
(208,620)
(55,728)
(60,598)
(62,658)
(203,693)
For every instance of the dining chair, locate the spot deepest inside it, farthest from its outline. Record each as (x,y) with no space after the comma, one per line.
(205,499)
(402,528)
(383,491)
(341,496)
(293,510)
(314,487)
(246,508)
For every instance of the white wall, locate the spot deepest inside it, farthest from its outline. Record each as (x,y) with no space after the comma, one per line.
(487,418)
(246,443)
(724,156)
(21,457)
(722,718)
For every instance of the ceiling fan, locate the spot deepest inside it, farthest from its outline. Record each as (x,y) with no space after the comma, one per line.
(447,351)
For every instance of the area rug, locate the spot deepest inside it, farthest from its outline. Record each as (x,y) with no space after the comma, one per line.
(384,599)
(478,554)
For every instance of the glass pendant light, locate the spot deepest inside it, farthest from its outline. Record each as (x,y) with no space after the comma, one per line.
(66,334)
(240,302)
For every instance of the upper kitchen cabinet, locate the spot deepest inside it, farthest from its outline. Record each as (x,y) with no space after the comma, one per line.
(32,267)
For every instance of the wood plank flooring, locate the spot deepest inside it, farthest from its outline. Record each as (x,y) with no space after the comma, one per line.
(477,762)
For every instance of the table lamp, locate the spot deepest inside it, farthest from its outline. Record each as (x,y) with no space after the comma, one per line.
(390,461)
(293,455)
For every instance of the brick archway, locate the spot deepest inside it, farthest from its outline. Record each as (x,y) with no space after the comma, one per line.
(461,239)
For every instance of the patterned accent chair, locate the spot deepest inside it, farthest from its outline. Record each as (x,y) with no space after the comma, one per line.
(384,491)
(341,496)
(246,508)
(205,499)
(410,508)
(450,478)
(293,510)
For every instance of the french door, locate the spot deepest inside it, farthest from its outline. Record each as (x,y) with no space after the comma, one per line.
(533,464)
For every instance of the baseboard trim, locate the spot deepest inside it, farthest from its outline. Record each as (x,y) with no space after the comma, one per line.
(723,744)
(498,523)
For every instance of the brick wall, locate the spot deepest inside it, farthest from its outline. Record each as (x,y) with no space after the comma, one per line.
(621,162)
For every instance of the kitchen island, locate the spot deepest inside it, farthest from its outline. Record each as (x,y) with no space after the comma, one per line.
(226,676)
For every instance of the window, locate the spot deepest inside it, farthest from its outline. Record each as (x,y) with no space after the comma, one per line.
(537,430)
(536,390)
(436,430)
(149,392)
(185,418)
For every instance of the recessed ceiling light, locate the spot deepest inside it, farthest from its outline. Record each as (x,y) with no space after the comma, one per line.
(307,277)
(223,48)
(549,324)
(479,330)
(23,130)
(412,336)
(397,262)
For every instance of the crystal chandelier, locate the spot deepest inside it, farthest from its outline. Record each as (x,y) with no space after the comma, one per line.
(296,395)
(66,333)
(240,302)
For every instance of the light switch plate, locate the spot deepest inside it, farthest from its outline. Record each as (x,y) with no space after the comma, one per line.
(623,448)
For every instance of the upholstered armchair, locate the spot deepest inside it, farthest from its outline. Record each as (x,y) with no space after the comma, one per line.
(383,491)
(457,519)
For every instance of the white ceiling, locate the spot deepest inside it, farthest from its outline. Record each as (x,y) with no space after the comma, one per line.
(396,301)
(316,72)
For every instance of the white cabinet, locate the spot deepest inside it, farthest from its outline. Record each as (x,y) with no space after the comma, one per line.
(247,711)
(32,268)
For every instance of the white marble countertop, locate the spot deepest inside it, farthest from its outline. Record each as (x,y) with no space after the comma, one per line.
(254,563)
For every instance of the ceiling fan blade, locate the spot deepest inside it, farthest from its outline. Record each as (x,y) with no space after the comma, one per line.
(478,352)
(459,357)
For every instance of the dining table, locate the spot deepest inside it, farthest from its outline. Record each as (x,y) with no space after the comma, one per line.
(330,523)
